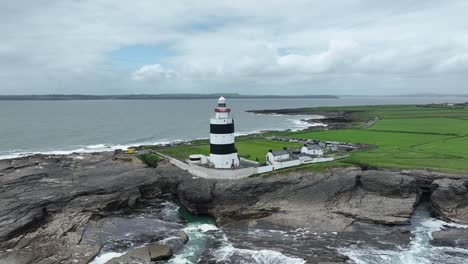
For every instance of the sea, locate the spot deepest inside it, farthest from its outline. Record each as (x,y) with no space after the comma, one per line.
(61,127)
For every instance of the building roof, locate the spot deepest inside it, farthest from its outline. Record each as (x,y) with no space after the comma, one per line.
(280,152)
(313,146)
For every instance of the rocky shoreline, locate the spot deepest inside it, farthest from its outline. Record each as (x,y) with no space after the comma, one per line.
(332,119)
(53,208)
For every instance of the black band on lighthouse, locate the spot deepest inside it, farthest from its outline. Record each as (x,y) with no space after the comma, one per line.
(222,149)
(222,128)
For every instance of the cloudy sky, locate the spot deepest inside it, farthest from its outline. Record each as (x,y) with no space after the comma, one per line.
(249,47)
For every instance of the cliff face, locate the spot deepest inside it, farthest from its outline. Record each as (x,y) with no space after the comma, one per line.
(47,202)
(328,201)
(450,199)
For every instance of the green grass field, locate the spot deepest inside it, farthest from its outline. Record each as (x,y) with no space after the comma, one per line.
(254,149)
(257,149)
(406,137)
(448,126)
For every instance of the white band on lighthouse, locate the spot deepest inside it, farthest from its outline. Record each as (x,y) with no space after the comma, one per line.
(223,153)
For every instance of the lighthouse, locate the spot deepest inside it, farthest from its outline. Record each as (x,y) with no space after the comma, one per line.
(223,153)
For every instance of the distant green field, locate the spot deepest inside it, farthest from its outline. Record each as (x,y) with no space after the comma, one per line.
(248,149)
(382,139)
(455,147)
(408,137)
(448,126)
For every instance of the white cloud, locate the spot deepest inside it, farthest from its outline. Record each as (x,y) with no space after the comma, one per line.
(153,72)
(65,46)
(455,64)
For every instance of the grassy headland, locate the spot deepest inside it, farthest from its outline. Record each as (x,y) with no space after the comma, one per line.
(432,137)
(407,137)
(252,149)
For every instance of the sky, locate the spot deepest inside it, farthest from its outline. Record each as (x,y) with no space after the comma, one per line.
(359,47)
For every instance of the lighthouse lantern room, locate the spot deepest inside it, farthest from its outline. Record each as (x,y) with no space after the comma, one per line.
(223,153)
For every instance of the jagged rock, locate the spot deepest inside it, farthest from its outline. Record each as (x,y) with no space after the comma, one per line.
(135,256)
(450,199)
(5,164)
(46,203)
(143,255)
(389,183)
(196,195)
(379,197)
(183,236)
(329,201)
(451,237)
(159,252)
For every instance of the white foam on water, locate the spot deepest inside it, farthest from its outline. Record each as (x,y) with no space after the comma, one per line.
(296,122)
(84,149)
(201,228)
(420,250)
(103,258)
(299,122)
(197,233)
(256,256)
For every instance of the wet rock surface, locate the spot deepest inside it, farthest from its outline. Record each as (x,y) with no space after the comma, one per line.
(48,204)
(144,255)
(451,237)
(450,199)
(329,201)
(66,209)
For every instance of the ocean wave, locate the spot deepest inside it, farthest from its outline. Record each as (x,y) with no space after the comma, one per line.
(85,149)
(294,124)
(263,256)
(102,259)
(420,249)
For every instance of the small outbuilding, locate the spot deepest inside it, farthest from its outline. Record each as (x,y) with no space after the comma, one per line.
(312,149)
(277,155)
(197,159)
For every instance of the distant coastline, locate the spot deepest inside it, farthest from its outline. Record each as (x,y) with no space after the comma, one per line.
(63,97)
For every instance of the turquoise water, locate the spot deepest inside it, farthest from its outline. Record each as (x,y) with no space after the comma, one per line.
(208,242)
(198,228)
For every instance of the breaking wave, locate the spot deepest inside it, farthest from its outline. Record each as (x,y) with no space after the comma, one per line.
(229,252)
(295,124)
(420,250)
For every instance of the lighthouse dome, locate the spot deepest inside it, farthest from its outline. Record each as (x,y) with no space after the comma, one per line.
(222,100)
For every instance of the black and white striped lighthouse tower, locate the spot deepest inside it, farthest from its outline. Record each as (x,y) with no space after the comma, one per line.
(223,153)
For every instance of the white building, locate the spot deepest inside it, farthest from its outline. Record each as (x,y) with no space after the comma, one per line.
(277,156)
(197,159)
(223,153)
(313,149)
(278,159)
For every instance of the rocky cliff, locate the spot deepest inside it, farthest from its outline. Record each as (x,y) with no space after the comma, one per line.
(48,202)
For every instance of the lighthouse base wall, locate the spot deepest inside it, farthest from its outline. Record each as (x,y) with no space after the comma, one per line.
(225,161)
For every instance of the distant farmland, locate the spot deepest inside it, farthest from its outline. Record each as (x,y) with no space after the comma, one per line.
(407,137)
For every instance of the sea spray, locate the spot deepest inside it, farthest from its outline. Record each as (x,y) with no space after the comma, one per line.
(105,257)
(198,229)
(227,253)
(419,251)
